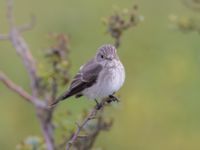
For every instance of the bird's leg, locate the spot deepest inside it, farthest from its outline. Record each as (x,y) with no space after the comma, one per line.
(112,99)
(98,105)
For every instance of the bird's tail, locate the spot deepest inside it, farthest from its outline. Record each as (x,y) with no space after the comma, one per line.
(60,98)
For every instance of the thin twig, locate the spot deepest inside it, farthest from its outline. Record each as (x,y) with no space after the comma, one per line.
(28,26)
(89,117)
(10,13)
(100,126)
(21,92)
(24,52)
(85,121)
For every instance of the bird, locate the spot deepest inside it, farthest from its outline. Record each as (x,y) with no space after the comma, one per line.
(101,77)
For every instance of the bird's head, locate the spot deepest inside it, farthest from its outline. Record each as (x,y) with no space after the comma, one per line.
(106,54)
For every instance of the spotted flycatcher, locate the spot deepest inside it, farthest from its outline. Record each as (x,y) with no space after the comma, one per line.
(99,78)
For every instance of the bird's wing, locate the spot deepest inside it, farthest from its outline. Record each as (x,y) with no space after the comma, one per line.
(85,78)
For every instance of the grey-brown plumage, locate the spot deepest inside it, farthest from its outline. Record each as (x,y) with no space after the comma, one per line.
(100,77)
(85,78)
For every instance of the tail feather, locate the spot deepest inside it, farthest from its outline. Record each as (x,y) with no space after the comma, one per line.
(61,98)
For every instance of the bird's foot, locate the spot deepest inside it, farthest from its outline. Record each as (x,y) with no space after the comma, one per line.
(112,99)
(98,105)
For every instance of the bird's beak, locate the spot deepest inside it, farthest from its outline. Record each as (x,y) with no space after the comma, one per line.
(110,59)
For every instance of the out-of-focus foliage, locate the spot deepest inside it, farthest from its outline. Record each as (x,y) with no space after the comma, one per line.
(192,4)
(54,69)
(121,21)
(31,143)
(185,23)
(159,106)
(188,23)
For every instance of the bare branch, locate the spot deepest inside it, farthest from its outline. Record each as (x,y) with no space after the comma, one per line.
(47,132)
(45,118)
(101,125)
(89,117)
(75,136)
(44,114)
(21,47)
(16,88)
(21,92)
(24,52)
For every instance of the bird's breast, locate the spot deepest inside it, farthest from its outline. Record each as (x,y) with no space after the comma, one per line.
(109,81)
(114,77)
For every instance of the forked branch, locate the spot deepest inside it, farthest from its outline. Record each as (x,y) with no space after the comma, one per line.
(20,91)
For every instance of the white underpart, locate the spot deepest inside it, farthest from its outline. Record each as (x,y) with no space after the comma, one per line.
(110,80)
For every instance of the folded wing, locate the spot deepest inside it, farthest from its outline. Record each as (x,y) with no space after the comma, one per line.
(85,78)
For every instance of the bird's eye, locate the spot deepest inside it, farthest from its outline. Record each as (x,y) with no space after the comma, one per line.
(102,56)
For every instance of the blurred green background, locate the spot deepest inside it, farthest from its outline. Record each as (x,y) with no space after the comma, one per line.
(159,107)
